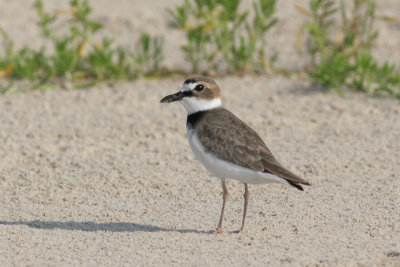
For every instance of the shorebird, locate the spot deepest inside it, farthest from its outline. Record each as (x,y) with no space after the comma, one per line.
(225,145)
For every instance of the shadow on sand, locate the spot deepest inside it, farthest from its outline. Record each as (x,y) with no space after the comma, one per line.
(94,227)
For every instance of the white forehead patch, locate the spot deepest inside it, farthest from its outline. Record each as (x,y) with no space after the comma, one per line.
(188,87)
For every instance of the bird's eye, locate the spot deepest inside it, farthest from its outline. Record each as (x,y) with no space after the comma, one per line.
(199,87)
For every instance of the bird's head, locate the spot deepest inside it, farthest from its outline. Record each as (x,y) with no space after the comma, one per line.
(197,94)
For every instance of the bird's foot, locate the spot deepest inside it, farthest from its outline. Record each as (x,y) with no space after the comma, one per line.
(218,231)
(239,231)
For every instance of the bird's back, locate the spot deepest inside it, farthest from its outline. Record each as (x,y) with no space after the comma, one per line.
(230,139)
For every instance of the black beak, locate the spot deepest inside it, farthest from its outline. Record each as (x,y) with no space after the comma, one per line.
(172,98)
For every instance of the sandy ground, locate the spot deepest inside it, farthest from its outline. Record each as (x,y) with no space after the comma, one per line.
(105,176)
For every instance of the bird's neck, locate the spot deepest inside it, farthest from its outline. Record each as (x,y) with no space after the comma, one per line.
(194,104)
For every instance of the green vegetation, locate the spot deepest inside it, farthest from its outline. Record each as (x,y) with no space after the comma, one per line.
(220,38)
(340,53)
(76,56)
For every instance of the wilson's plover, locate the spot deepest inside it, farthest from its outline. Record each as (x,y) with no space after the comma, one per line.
(224,144)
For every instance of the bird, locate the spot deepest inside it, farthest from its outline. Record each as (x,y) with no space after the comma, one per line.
(225,145)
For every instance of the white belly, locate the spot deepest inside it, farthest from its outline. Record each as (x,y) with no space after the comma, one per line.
(223,169)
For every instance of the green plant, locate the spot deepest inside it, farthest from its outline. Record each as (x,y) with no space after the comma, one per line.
(340,53)
(76,55)
(371,77)
(220,37)
(148,54)
(23,63)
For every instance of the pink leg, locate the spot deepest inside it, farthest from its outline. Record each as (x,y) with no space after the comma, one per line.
(246,202)
(221,218)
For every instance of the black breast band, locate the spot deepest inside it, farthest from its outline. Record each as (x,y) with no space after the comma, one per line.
(194,118)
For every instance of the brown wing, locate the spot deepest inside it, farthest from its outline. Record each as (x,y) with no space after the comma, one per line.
(240,145)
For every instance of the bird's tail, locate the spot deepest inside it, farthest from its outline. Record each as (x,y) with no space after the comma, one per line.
(297,185)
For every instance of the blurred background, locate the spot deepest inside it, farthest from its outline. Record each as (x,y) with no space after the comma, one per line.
(337,43)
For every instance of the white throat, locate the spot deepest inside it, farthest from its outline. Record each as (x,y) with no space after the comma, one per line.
(195,104)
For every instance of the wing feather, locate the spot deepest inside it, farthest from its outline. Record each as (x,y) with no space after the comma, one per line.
(240,145)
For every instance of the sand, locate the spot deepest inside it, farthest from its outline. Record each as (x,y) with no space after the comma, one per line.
(105,176)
